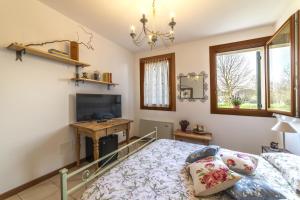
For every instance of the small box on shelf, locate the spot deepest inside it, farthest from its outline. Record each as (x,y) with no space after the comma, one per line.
(107,77)
(74,50)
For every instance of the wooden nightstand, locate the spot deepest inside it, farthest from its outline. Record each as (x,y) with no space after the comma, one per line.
(267,149)
(204,138)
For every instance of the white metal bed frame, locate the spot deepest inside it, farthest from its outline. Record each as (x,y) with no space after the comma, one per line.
(86,174)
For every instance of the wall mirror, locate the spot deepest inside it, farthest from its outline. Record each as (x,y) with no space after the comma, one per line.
(192,87)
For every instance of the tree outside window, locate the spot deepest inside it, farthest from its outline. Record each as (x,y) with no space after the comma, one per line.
(238,78)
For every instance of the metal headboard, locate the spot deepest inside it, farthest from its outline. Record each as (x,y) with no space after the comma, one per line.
(87,175)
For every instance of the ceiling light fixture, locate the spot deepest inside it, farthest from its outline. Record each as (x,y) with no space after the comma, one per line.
(152,35)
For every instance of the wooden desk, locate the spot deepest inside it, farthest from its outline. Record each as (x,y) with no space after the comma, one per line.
(204,138)
(96,130)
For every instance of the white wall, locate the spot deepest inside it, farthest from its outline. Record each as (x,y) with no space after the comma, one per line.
(36,95)
(234,132)
(293,8)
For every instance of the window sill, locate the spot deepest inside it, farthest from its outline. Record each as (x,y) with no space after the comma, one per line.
(291,114)
(243,112)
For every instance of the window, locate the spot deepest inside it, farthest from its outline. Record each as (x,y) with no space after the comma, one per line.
(280,51)
(157,83)
(237,78)
(258,77)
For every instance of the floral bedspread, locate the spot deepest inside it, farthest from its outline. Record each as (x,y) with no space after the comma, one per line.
(158,172)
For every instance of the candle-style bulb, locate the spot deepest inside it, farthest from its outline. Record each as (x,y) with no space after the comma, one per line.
(172,15)
(132,28)
(132,32)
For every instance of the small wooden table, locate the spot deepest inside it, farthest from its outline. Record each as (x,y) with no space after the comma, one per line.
(97,130)
(204,138)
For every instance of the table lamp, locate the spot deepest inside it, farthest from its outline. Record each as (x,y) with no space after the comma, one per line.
(283,127)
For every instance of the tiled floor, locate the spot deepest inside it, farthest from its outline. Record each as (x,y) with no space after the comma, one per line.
(50,189)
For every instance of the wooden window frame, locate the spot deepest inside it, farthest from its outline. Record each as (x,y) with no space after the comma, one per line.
(298,69)
(172,82)
(291,20)
(235,46)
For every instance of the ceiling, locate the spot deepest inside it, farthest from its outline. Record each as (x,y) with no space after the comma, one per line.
(195,18)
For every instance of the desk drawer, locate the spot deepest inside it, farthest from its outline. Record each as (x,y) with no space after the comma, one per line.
(116,129)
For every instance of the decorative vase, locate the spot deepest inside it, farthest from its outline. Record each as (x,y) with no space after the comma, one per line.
(237,106)
(84,75)
(183,128)
(96,75)
(184,124)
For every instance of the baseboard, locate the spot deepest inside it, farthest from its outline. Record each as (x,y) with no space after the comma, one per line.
(132,138)
(135,137)
(43,178)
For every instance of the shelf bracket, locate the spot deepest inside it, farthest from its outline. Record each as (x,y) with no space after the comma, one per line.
(19,54)
(76,83)
(77,71)
(109,86)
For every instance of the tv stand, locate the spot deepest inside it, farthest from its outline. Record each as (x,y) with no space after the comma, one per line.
(95,130)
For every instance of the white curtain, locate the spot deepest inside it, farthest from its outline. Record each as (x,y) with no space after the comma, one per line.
(156,84)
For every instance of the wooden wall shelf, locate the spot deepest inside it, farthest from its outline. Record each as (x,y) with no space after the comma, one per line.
(21,49)
(94,81)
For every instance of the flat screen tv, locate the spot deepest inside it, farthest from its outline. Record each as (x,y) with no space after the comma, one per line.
(97,107)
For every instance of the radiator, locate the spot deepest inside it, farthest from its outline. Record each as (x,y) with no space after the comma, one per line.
(164,129)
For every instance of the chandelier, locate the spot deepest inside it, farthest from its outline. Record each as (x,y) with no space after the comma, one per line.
(152,35)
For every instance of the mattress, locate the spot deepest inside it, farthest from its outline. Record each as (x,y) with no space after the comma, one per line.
(158,172)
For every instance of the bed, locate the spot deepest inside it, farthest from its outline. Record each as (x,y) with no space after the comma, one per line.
(158,171)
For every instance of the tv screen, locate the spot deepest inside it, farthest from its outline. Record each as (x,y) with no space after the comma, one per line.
(97,107)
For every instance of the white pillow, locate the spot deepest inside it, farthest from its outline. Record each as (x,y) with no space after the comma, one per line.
(210,175)
(289,166)
(239,162)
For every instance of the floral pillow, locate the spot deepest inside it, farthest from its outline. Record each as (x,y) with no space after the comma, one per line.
(210,175)
(210,150)
(251,189)
(289,166)
(239,162)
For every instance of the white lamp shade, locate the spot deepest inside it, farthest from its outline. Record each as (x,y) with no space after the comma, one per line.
(283,127)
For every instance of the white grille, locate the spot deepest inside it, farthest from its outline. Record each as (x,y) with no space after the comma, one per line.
(164,129)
